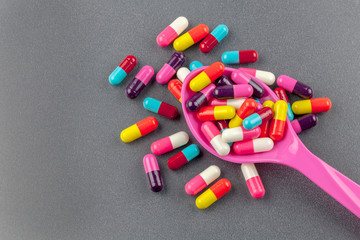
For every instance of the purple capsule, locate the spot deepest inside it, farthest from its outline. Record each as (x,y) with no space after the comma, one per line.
(200,98)
(305,122)
(224,81)
(170,68)
(153,172)
(139,82)
(240,77)
(233,91)
(294,86)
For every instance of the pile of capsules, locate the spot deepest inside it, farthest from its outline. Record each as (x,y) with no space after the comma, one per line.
(229,107)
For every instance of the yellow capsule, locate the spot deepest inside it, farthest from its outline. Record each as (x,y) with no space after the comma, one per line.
(199,82)
(139,129)
(212,113)
(183,42)
(302,107)
(215,192)
(235,122)
(269,104)
(280,110)
(205,199)
(130,134)
(193,36)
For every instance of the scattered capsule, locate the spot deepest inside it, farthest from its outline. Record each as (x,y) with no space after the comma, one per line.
(253,180)
(193,36)
(266,125)
(161,108)
(236,103)
(266,77)
(315,105)
(209,75)
(294,86)
(304,122)
(139,129)
(153,172)
(258,118)
(236,57)
(281,94)
(239,134)
(247,108)
(222,125)
(233,91)
(214,193)
(213,38)
(170,68)
(169,143)
(174,87)
(202,180)
(223,80)
(124,68)
(171,32)
(212,113)
(240,77)
(137,85)
(183,157)
(277,126)
(182,73)
(213,135)
(253,146)
(200,98)
(195,65)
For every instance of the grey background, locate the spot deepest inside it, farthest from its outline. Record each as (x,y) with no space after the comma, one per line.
(65,174)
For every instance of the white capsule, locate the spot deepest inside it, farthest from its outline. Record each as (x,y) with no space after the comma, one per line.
(236,103)
(169,143)
(202,180)
(179,24)
(240,134)
(179,139)
(266,77)
(253,180)
(263,144)
(253,146)
(221,147)
(182,73)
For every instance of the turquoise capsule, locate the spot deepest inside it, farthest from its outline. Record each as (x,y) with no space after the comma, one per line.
(124,68)
(195,65)
(220,32)
(213,39)
(161,108)
(290,113)
(191,152)
(236,57)
(256,119)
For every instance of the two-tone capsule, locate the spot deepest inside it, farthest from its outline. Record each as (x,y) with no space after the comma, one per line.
(278,123)
(195,65)
(200,98)
(161,108)
(224,80)
(248,107)
(222,125)
(137,85)
(202,180)
(213,38)
(233,91)
(153,174)
(236,57)
(183,157)
(253,180)
(258,118)
(281,94)
(213,113)
(169,69)
(239,134)
(213,135)
(314,105)
(253,146)
(240,77)
(266,125)
(171,32)
(182,73)
(214,193)
(266,77)
(236,103)
(139,129)
(124,68)
(193,36)
(294,86)
(209,75)
(304,122)
(174,87)
(169,143)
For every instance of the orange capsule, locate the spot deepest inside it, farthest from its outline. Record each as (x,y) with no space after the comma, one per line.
(209,75)
(174,87)
(277,127)
(248,107)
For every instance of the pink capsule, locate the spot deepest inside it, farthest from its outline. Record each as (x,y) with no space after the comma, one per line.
(169,143)
(253,180)
(236,103)
(253,146)
(171,32)
(213,135)
(240,134)
(202,180)
(266,77)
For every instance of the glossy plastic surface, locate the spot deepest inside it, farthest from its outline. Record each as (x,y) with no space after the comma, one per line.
(289,151)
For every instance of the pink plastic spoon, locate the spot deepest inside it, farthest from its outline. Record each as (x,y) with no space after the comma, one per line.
(289,151)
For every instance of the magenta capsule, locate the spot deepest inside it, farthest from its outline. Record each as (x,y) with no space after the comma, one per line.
(169,143)
(171,32)
(140,81)
(253,180)
(202,180)
(153,172)
(304,122)
(240,77)
(253,146)
(200,98)
(233,91)
(170,68)
(213,135)
(294,86)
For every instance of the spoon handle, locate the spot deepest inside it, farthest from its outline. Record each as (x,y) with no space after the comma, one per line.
(341,188)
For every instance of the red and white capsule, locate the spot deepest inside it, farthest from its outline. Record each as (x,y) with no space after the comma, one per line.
(202,180)
(253,180)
